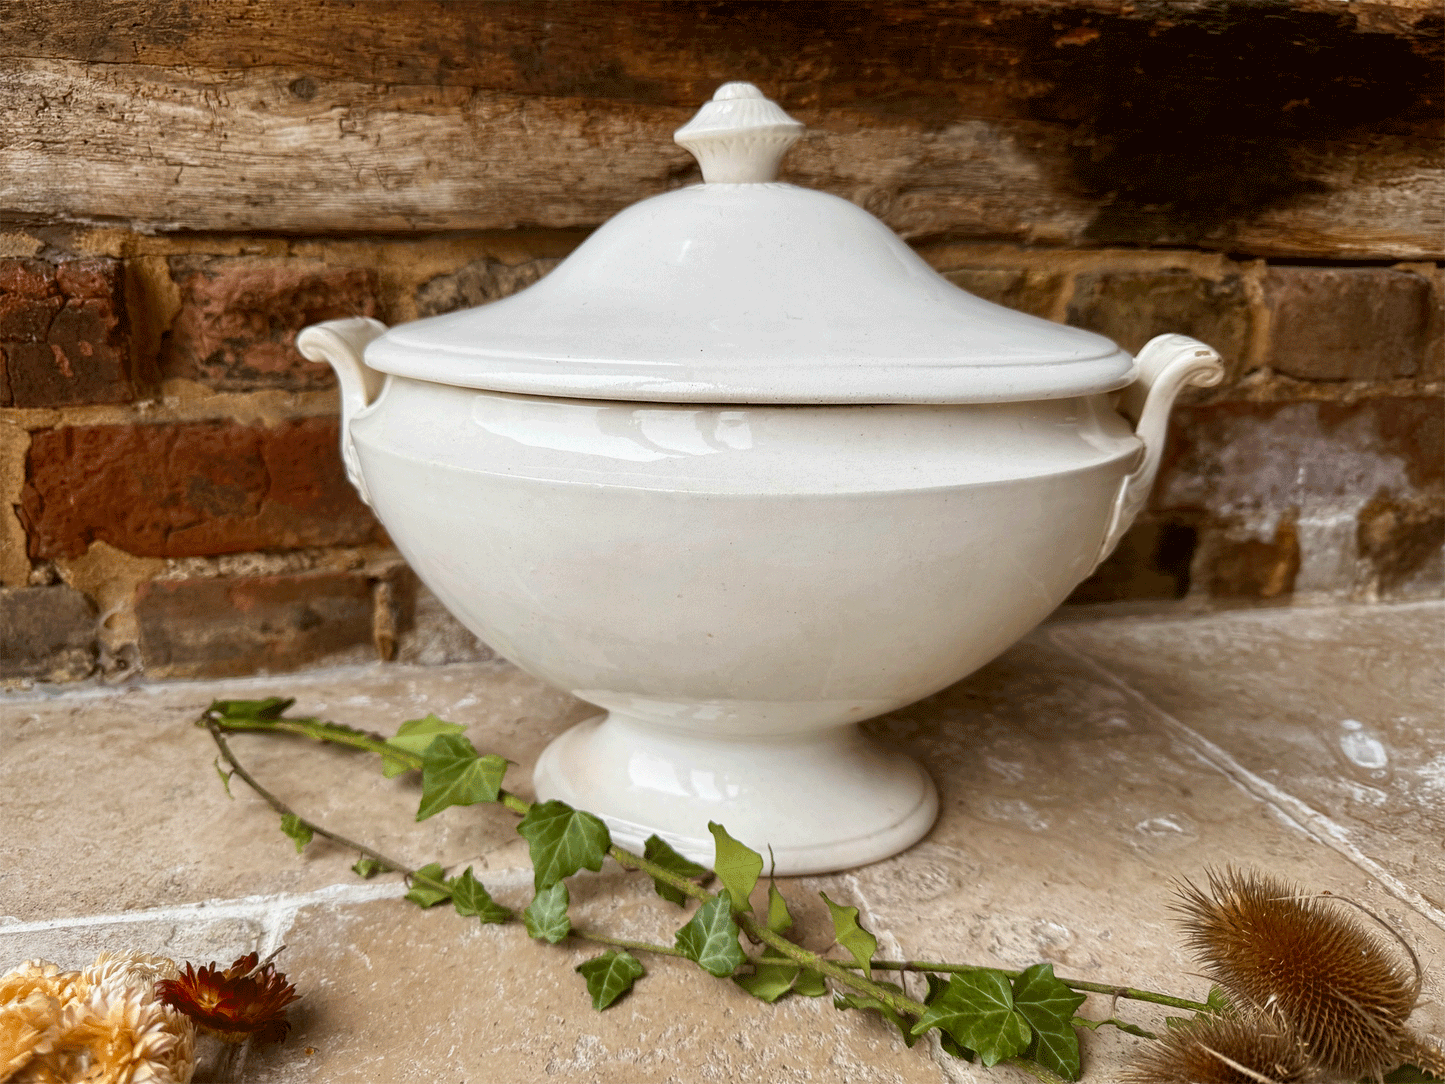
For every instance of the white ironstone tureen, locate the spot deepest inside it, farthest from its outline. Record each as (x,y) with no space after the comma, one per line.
(744,471)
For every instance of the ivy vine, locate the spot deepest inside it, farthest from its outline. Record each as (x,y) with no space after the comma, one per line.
(1027,1018)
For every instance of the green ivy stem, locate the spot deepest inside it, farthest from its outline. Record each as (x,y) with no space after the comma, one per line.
(836,970)
(623,943)
(938,967)
(315,729)
(900,1003)
(321,731)
(286,811)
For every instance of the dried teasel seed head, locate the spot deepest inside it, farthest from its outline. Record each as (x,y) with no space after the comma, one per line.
(1246,1048)
(1334,982)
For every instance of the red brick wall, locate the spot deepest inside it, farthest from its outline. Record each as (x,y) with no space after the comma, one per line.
(1264,177)
(175,504)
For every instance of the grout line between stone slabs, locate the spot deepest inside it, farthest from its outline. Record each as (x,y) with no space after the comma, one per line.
(274,912)
(261,908)
(1310,820)
(360,672)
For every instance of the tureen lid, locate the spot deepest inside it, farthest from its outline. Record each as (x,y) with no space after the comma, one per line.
(745,290)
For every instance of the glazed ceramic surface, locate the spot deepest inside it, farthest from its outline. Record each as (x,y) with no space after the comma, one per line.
(741,531)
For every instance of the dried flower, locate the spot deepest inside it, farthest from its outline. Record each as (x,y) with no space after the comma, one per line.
(1247,1048)
(1334,983)
(103,1025)
(246,1001)
(28,1028)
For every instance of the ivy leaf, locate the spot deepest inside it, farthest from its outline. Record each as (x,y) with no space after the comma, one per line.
(810,983)
(863,1001)
(267,710)
(563,840)
(656,849)
(770,979)
(546,916)
(1219,1003)
(453,774)
(429,895)
(609,976)
(469,897)
(1048,1005)
(773,976)
(225,777)
(1115,1022)
(393,765)
(779,919)
(297,829)
(977,1010)
(367,868)
(736,866)
(711,937)
(859,942)
(936,986)
(413,736)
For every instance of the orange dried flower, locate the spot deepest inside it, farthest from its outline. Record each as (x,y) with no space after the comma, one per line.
(246,1001)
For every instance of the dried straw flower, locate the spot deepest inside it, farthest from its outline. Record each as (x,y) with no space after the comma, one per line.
(1342,991)
(246,1001)
(103,1025)
(1247,1048)
(29,1027)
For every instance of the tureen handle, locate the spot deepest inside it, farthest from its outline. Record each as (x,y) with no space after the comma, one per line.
(342,343)
(1166,364)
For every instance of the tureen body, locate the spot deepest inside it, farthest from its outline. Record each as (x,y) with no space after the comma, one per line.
(743,531)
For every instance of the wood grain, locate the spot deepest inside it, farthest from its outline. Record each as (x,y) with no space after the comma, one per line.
(1053,123)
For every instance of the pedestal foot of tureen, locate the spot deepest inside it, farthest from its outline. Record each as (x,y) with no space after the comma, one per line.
(822,801)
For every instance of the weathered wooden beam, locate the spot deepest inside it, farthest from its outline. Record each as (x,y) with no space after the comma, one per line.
(1291,129)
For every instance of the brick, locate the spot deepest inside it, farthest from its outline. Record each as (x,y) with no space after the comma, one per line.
(1152,561)
(237,324)
(27,319)
(1401,542)
(1033,292)
(1238,458)
(477,283)
(94,277)
(64,333)
(27,277)
(227,627)
(1257,568)
(190,489)
(46,634)
(1131,307)
(1347,323)
(1433,364)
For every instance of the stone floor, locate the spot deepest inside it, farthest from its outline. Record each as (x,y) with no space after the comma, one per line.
(1081,774)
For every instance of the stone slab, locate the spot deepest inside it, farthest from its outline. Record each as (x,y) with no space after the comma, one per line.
(1083,775)
(403,996)
(1342,710)
(1070,813)
(111,803)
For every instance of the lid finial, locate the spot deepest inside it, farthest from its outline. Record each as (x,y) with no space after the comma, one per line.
(739,137)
